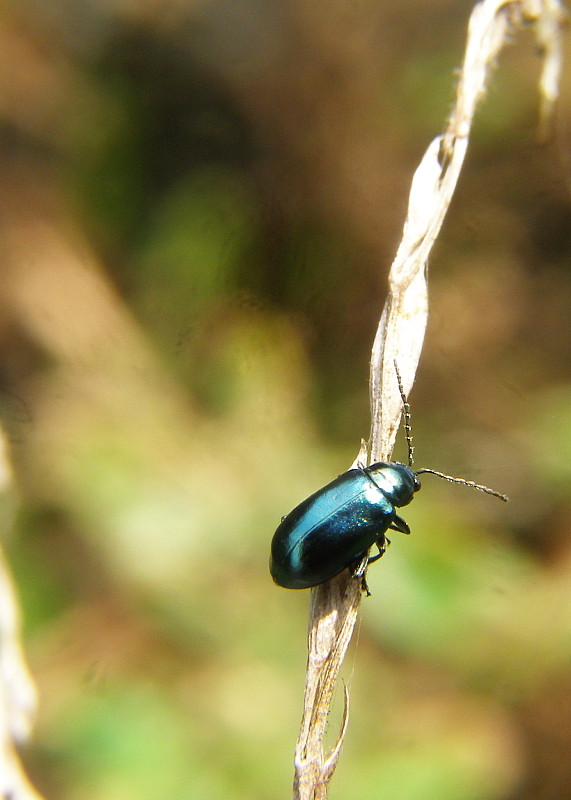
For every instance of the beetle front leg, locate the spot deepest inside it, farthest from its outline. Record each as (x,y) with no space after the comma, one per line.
(398,524)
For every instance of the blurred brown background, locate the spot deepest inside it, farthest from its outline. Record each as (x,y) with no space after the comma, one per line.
(199,203)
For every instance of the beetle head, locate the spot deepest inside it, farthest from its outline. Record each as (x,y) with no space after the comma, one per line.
(397,481)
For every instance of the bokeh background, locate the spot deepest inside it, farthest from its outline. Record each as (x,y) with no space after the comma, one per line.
(199,203)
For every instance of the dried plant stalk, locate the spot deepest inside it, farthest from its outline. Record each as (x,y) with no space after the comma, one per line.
(334,605)
(17,691)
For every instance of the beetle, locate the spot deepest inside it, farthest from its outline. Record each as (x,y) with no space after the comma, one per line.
(336,526)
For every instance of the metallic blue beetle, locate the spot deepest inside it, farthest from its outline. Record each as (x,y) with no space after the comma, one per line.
(335,527)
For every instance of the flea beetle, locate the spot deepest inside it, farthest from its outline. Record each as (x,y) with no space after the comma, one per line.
(336,526)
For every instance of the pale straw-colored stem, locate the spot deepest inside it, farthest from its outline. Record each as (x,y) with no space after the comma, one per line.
(334,605)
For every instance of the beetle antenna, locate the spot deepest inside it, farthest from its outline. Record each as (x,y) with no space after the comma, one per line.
(408,434)
(464,482)
(407,417)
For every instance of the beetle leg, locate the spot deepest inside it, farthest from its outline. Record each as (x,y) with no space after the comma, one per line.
(358,571)
(398,524)
(358,566)
(382,550)
(371,560)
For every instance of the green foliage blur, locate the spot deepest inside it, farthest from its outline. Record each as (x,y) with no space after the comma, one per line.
(199,204)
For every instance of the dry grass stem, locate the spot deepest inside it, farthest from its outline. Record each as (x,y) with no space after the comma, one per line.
(400,335)
(17,691)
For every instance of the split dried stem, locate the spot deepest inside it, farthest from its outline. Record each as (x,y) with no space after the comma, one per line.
(400,334)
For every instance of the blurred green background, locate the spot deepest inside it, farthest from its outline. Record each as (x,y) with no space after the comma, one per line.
(199,203)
